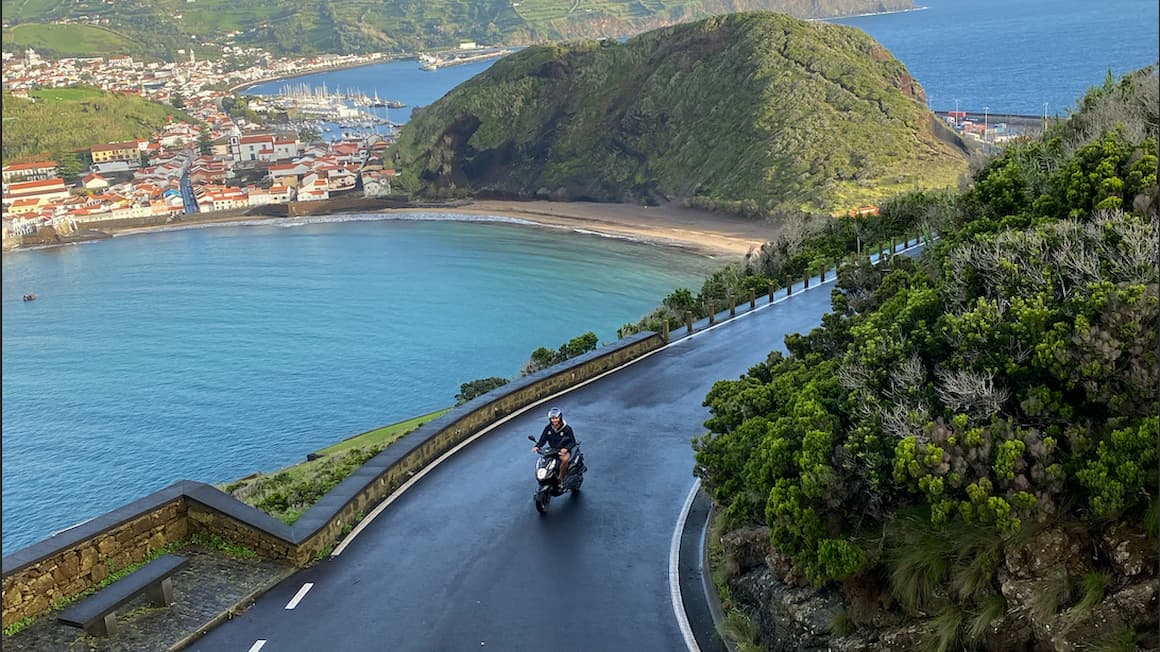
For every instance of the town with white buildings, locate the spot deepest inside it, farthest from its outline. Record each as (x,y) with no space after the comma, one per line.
(170,173)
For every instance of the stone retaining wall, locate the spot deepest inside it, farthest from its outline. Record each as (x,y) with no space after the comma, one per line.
(395,465)
(82,564)
(69,563)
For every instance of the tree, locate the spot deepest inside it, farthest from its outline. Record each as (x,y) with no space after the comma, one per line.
(70,166)
(204,144)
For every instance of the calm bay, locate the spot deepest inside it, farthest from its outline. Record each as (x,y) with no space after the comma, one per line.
(208,354)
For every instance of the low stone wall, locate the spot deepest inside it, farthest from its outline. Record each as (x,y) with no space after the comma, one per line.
(62,571)
(324,523)
(67,564)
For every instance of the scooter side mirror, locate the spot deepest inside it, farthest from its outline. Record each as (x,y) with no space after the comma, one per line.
(531,438)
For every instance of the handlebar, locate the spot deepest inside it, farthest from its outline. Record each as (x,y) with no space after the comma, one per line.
(546,450)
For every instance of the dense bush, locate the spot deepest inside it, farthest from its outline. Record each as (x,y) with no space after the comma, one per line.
(543,357)
(1006,379)
(479,387)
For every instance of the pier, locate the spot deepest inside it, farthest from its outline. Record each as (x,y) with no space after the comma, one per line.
(461,55)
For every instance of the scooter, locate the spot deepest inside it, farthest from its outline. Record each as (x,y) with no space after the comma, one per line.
(548,473)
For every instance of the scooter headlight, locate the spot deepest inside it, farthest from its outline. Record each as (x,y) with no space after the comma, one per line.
(541,473)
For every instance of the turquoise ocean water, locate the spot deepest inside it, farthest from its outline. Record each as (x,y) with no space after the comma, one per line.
(208,354)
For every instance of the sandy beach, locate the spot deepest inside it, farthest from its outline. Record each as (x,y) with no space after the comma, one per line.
(704,232)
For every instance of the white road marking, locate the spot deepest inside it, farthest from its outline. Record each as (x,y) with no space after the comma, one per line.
(258,644)
(338,550)
(301,594)
(675,572)
(674,550)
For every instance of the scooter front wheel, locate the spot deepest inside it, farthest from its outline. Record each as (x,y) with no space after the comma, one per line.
(542,499)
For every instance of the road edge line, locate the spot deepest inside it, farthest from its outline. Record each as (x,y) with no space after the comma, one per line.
(675,571)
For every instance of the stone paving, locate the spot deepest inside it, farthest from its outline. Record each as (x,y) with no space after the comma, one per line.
(213,588)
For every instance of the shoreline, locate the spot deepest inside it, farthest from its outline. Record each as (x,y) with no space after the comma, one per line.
(390,58)
(699,231)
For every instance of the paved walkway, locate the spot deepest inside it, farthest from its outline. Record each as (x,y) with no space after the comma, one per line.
(210,590)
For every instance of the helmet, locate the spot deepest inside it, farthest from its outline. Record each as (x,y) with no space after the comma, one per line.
(555,412)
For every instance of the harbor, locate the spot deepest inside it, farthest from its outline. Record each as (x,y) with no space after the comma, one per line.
(465,53)
(334,115)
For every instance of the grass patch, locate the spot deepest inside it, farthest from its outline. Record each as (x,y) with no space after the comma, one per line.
(842,624)
(739,625)
(742,628)
(73,94)
(18,626)
(1092,587)
(1126,640)
(991,609)
(216,542)
(32,128)
(1051,593)
(1152,519)
(72,40)
(384,435)
(917,561)
(943,630)
(289,493)
(722,566)
(929,563)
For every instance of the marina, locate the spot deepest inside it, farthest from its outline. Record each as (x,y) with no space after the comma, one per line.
(340,114)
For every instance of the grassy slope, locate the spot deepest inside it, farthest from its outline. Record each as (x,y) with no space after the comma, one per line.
(758,106)
(32,129)
(289,492)
(71,40)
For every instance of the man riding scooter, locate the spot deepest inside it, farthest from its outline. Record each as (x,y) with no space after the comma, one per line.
(558,435)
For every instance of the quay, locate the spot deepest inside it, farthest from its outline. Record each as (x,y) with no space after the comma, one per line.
(465,53)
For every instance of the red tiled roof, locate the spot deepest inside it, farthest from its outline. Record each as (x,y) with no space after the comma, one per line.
(36,185)
(29,166)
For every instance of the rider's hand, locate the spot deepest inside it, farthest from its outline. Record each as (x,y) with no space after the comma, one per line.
(535,449)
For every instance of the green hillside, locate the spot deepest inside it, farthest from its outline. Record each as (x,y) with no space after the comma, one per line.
(756,108)
(71,40)
(163,27)
(32,126)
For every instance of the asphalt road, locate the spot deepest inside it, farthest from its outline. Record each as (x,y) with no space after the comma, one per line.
(462,561)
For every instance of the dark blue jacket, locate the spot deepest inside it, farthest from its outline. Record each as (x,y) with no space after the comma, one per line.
(562,438)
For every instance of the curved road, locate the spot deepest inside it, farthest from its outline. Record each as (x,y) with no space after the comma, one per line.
(462,561)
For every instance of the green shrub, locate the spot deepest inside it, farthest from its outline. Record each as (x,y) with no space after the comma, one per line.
(479,387)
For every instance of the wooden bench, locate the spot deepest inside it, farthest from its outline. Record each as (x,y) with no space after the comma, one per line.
(97,613)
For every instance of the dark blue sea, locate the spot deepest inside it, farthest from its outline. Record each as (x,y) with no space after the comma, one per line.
(1022,57)
(208,354)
